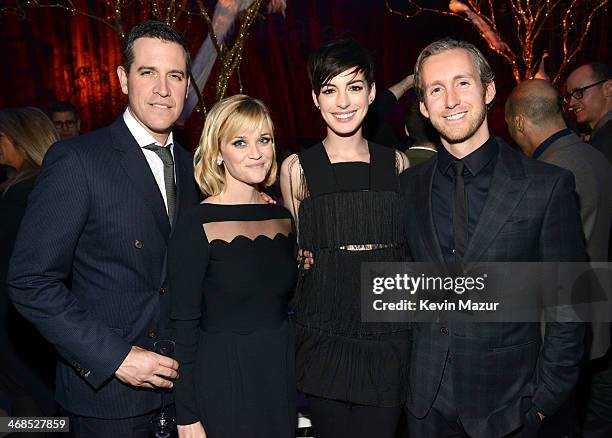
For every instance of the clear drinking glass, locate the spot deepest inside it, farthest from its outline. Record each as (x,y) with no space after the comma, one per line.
(164,423)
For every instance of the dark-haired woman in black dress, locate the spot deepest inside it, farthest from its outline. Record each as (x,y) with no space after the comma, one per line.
(343,193)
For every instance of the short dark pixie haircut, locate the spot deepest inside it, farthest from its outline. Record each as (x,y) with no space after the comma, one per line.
(151,29)
(337,56)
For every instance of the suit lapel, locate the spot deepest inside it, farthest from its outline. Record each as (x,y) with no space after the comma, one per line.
(508,186)
(422,205)
(138,171)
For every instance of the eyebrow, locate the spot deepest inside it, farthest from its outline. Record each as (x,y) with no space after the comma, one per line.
(146,67)
(459,76)
(242,137)
(348,83)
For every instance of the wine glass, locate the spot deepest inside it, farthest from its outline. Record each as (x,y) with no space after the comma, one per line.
(163,423)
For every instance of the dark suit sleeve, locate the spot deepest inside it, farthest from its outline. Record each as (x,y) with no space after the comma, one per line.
(561,240)
(187,264)
(56,215)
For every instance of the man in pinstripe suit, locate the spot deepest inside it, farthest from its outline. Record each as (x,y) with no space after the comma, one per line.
(479,200)
(101,212)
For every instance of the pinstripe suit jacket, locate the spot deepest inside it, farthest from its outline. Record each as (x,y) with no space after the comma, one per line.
(499,370)
(96,215)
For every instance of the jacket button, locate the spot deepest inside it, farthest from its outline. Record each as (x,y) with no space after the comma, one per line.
(152,333)
(137,244)
(444,331)
(162,291)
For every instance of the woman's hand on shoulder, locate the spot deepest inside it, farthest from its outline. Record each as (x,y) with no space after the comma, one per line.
(194,430)
(266,198)
(401,161)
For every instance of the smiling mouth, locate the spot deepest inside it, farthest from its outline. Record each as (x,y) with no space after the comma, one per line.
(344,117)
(160,106)
(456,116)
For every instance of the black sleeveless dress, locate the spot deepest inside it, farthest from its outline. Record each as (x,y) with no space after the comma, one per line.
(349,215)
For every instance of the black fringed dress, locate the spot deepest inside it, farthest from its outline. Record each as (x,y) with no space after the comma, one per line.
(349,214)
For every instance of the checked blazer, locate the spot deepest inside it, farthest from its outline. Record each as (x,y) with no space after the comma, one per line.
(89,264)
(499,370)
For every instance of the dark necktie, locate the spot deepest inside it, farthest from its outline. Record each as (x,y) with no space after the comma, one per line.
(460,217)
(166,157)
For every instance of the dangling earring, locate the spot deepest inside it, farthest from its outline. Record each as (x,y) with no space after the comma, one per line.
(318,107)
(219,161)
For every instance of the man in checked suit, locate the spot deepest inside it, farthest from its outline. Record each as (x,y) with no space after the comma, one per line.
(479,200)
(102,212)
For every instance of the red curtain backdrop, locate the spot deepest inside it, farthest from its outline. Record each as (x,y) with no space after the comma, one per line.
(57,55)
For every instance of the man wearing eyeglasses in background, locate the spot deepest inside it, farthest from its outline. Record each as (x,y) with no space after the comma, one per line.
(589,97)
(66,119)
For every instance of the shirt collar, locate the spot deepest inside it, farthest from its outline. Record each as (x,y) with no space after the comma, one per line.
(142,137)
(605,119)
(423,148)
(550,140)
(474,162)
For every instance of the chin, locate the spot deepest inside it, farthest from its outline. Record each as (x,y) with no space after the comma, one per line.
(582,119)
(454,137)
(256,179)
(163,124)
(345,131)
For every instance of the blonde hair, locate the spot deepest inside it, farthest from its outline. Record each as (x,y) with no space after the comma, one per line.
(32,133)
(227,118)
(480,62)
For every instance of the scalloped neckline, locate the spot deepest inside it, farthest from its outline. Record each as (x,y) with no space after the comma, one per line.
(262,236)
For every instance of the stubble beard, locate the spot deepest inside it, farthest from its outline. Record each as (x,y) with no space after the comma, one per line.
(454,138)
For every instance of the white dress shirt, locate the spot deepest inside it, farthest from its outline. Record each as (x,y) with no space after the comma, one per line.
(143,138)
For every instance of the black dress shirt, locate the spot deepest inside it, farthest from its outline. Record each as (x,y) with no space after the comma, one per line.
(479,166)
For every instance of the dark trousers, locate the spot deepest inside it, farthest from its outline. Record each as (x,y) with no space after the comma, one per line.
(597,377)
(133,427)
(442,420)
(338,419)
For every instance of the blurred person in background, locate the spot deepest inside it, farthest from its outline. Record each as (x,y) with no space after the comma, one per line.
(589,97)
(66,119)
(423,135)
(28,361)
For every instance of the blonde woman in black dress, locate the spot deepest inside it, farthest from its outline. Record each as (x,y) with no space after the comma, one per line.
(232,270)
